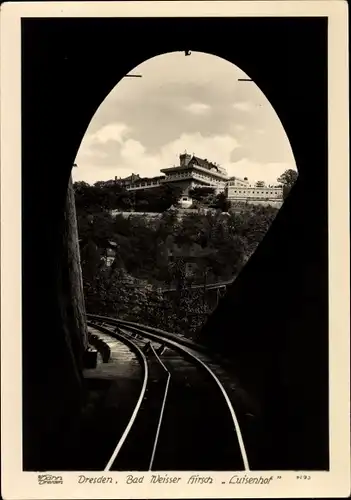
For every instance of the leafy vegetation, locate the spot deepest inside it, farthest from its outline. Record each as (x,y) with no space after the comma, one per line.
(110,195)
(287,179)
(153,270)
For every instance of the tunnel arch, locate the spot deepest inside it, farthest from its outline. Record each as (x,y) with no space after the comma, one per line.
(221,62)
(224,69)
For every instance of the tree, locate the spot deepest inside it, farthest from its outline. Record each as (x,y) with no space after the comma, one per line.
(87,197)
(221,202)
(287,179)
(103,195)
(162,197)
(201,193)
(260,184)
(97,227)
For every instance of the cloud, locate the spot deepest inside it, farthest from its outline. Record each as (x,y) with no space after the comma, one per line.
(111,132)
(94,145)
(180,95)
(132,151)
(132,156)
(244,106)
(239,127)
(198,108)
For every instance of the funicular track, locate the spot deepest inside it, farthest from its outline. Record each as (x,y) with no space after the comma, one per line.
(185,419)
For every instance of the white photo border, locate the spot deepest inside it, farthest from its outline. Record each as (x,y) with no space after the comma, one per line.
(17,484)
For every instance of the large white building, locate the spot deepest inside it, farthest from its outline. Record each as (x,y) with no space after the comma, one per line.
(191,172)
(195,172)
(241,190)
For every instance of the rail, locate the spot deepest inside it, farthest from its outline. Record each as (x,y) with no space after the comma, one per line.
(141,356)
(162,406)
(209,286)
(145,332)
(151,329)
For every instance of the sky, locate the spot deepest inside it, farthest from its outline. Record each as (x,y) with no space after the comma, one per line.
(184,103)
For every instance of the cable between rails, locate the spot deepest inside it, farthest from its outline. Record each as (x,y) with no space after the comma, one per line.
(162,408)
(223,391)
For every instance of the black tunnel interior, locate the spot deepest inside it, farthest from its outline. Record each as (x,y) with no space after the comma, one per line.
(273,322)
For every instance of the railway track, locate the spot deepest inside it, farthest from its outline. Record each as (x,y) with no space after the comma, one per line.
(141,424)
(183,418)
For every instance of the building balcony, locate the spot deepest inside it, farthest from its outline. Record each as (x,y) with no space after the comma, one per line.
(196,168)
(194,176)
(143,185)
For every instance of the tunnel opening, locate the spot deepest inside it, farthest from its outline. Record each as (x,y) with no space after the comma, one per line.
(177,236)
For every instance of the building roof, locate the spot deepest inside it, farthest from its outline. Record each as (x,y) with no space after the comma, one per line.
(130,178)
(204,163)
(148,179)
(236,178)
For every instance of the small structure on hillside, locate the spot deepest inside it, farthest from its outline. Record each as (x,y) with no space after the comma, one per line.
(185,202)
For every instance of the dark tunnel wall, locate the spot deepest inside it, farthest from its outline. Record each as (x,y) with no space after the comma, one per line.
(274,319)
